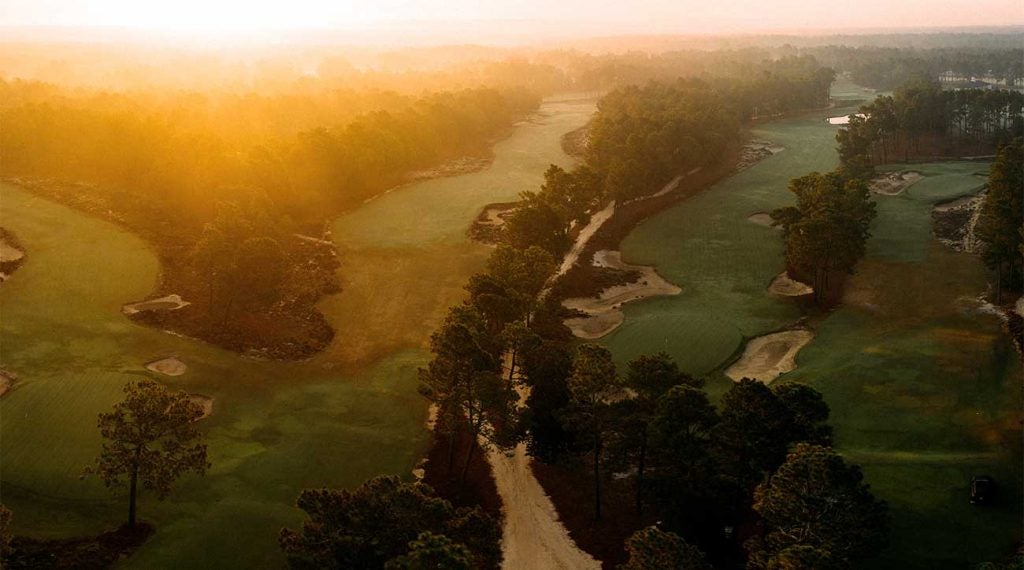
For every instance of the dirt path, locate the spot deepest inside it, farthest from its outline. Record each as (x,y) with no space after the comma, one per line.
(596,221)
(532,537)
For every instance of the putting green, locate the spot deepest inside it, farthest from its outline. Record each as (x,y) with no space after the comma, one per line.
(346,415)
(923,385)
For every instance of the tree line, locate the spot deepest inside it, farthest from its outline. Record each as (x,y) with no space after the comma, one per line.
(1000,226)
(885,68)
(186,151)
(921,113)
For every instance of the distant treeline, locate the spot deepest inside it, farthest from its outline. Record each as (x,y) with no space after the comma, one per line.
(885,68)
(921,118)
(188,151)
(826,232)
(221,184)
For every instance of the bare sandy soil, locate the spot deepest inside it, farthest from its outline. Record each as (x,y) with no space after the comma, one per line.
(893,183)
(168,366)
(596,221)
(763,219)
(783,285)
(766,357)
(532,537)
(605,311)
(6,381)
(205,402)
(954,222)
(168,303)
(8,252)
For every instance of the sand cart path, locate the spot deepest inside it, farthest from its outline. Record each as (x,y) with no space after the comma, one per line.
(533,537)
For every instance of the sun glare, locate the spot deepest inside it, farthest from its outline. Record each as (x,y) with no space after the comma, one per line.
(227,16)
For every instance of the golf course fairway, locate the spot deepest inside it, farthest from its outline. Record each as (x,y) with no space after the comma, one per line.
(923,385)
(350,413)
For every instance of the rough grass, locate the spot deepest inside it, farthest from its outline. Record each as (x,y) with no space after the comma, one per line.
(346,415)
(925,393)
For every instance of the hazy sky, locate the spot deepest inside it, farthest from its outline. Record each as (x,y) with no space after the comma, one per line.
(610,16)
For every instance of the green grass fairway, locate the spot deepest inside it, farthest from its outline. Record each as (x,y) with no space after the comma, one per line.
(722,261)
(348,414)
(923,385)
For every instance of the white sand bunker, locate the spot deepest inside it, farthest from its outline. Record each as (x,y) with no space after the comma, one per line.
(205,402)
(766,357)
(763,219)
(168,303)
(168,366)
(893,183)
(8,252)
(604,312)
(7,379)
(785,286)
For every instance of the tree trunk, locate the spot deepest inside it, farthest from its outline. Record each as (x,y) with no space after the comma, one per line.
(512,366)
(597,477)
(227,310)
(640,472)
(451,450)
(999,283)
(209,295)
(133,488)
(469,458)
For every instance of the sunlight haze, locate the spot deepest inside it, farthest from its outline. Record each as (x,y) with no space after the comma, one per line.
(572,17)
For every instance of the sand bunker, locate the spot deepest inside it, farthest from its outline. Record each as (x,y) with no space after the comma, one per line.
(763,219)
(8,252)
(893,183)
(6,381)
(168,366)
(783,285)
(168,303)
(768,356)
(205,402)
(604,312)
(844,119)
